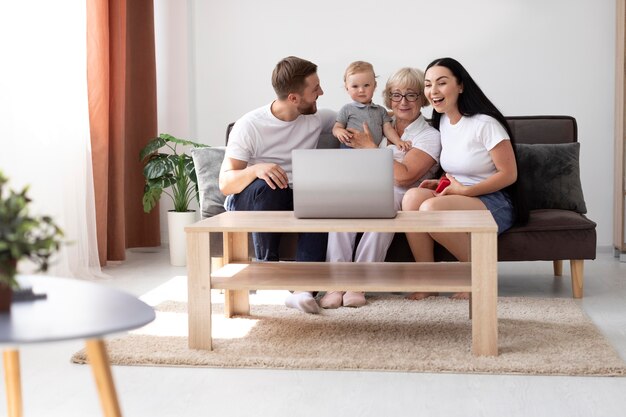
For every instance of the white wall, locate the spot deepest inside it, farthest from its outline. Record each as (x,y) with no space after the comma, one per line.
(531,57)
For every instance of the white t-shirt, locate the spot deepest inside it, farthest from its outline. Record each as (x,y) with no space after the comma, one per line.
(425,138)
(466,146)
(259,137)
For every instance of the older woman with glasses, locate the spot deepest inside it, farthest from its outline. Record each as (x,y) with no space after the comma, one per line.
(403,95)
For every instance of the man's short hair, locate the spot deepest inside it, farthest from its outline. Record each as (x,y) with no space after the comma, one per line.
(289,75)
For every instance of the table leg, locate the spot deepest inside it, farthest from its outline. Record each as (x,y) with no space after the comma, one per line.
(484,254)
(199,290)
(236,250)
(99,361)
(13,382)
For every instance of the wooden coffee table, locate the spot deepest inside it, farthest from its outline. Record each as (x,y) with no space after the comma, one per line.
(239,275)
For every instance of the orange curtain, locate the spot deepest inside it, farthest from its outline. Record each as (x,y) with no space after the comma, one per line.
(121,78)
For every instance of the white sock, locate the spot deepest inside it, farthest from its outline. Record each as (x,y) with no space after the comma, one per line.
(303,301)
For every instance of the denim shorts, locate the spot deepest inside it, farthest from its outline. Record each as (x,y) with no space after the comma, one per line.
(501,208)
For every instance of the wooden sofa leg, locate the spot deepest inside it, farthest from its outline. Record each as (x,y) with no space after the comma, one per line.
(576,269)
(558,268)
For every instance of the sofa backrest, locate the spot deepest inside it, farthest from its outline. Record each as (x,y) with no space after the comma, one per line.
(547,154)
(526,129)
(543,129)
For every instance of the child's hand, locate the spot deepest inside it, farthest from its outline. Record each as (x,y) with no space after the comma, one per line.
(404,145)
(343,135)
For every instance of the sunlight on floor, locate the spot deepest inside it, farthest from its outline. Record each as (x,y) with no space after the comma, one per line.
(173,290)
(168,324)
(176,290)
(172,297)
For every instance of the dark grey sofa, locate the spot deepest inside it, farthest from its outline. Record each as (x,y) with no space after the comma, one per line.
(548,171)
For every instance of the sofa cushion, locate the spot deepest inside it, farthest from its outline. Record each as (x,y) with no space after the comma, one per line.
(207,162)
(549,175)
(549,235)
(550,219)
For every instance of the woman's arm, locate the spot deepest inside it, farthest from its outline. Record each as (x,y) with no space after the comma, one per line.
(506,174)
(416,162)
(415,165)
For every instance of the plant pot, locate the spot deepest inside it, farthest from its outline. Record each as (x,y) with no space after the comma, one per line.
(6,294)
(8,272)
(176,222)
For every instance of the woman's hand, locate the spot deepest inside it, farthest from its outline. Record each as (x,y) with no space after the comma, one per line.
(455,187)
(430,184)
(361,140)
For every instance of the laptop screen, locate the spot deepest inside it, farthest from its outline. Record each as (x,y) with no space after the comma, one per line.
(343,183)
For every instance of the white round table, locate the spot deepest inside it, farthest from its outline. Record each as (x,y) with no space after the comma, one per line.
(72,309)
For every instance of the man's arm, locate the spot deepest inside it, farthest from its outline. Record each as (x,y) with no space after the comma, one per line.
(235,175)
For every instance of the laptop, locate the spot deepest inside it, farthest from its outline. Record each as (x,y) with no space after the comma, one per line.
(343,183)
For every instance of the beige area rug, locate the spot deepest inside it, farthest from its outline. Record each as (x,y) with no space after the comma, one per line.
(536,336)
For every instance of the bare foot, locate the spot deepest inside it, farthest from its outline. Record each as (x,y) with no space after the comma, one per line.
(460,296)
(353,299)
(332,299)
(421,295)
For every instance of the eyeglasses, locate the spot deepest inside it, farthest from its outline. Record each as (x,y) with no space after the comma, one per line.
(397,97)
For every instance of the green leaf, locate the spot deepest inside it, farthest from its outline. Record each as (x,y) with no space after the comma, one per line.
(162,182)
(184,142)
(23,236)
(169,168)
(190,170)
(175,159)
(158,166)
(150,198)
(151,147)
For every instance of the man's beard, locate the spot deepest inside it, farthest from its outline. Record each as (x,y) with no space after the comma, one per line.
(310,108)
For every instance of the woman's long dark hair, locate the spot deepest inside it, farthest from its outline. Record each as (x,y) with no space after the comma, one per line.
(471,102)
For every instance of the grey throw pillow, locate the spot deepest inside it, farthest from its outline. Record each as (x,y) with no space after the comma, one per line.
(207,162)
(549,175)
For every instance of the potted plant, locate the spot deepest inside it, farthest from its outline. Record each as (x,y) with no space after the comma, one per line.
(22,236)
(174,171)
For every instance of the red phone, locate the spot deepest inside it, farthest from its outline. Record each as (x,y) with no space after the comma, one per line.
(443,183)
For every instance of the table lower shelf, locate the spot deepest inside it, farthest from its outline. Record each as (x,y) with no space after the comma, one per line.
(349,276)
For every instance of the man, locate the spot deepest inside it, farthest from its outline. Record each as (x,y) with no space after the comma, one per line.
(256,172)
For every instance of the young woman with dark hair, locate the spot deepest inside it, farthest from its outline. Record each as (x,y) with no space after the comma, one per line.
(477,156)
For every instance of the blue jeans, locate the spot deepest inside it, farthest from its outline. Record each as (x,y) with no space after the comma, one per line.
(501,208)
(258,196)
